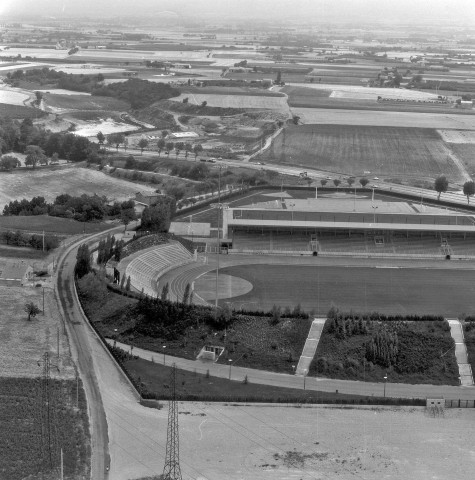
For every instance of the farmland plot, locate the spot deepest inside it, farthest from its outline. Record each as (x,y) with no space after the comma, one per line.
(235,101)
(391,119)
(24,342)
(383,151)
(13,98)
(49,183)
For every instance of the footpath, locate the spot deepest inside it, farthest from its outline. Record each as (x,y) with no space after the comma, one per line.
(395,390)
(465,370)
(310,346)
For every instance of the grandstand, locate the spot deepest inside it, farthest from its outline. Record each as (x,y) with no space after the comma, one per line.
(349,224)
(146,268)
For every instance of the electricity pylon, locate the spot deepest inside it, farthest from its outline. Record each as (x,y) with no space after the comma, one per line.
(172,469)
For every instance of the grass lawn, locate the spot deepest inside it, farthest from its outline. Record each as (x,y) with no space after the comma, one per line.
(362,289)
(22,252)
(56,225)
(421,345)
(384,151)
(21,421)
(155,378)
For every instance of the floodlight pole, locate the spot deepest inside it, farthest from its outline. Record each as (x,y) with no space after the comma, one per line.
(230,363)
(219,244)
(385,379)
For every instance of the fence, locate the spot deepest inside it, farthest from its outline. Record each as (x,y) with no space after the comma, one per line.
(459,403)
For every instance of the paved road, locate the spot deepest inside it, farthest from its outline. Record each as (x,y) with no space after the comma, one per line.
(396,390)
(80,349)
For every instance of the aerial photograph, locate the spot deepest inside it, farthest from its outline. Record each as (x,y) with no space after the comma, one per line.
(237,240)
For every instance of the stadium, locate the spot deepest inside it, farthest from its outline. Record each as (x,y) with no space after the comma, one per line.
(360,251)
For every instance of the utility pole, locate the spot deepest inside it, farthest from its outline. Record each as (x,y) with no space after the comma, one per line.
(172,469)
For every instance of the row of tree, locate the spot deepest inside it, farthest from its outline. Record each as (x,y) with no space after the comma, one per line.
(39,145)
(84,208)
(21,239)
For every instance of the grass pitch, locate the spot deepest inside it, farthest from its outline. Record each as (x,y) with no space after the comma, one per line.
(361,289)
(352,149)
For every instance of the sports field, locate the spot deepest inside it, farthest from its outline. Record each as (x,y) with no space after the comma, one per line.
(362,289)
(67,101)
(352,149)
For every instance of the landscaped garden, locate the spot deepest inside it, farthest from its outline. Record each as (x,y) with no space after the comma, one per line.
(410,349)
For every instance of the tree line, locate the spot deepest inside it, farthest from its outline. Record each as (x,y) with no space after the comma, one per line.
(84,208)
(21,239)
(39,144)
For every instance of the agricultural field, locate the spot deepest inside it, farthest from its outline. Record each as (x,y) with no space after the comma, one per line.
(26,341)
(462,124)
(12,97)
(24,449)
(235,101)
(361,289)
(51,182)
(19,111)
(466,153)
(352,150)
(47,224)
(57,102)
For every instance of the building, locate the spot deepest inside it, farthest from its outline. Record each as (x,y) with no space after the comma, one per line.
(15,272)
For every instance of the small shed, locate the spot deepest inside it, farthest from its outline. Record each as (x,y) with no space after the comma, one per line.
(435,402)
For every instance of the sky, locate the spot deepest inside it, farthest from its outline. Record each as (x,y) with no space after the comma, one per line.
(384,11)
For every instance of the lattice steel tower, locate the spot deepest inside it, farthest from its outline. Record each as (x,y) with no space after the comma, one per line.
(172,470)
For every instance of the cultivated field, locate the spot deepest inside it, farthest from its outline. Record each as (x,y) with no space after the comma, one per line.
(368,93)
(393,119)
(384,151)
(50,183)
(236,101)
(361,289)
(67,101)
(24,342)
(47,224)
(13,98)
(19,111)
(466,153)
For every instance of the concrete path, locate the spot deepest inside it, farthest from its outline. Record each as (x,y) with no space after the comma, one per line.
(465,370)
(396,390)
(310,346)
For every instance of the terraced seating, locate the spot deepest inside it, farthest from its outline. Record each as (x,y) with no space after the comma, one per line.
(145,270)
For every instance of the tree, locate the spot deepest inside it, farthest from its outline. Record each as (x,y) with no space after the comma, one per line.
(336,182)
(350,181)
(126,216)
(143,143)
(101,138)
(278,80)
(323,182)
(9,162)
(441,185)
(122,282)
(39,97)
(83,261)
(186,294)
(54,158)
(203,104)
(127,285)
(164,295)
(34,154)
(126,143)
(116,139)
(364,181)
(469,190)
(179,146)
(188,149)
(169,147)
(197,149)
(31,309)
(160,145)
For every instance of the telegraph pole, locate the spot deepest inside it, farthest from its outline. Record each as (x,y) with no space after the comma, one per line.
(172,470)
